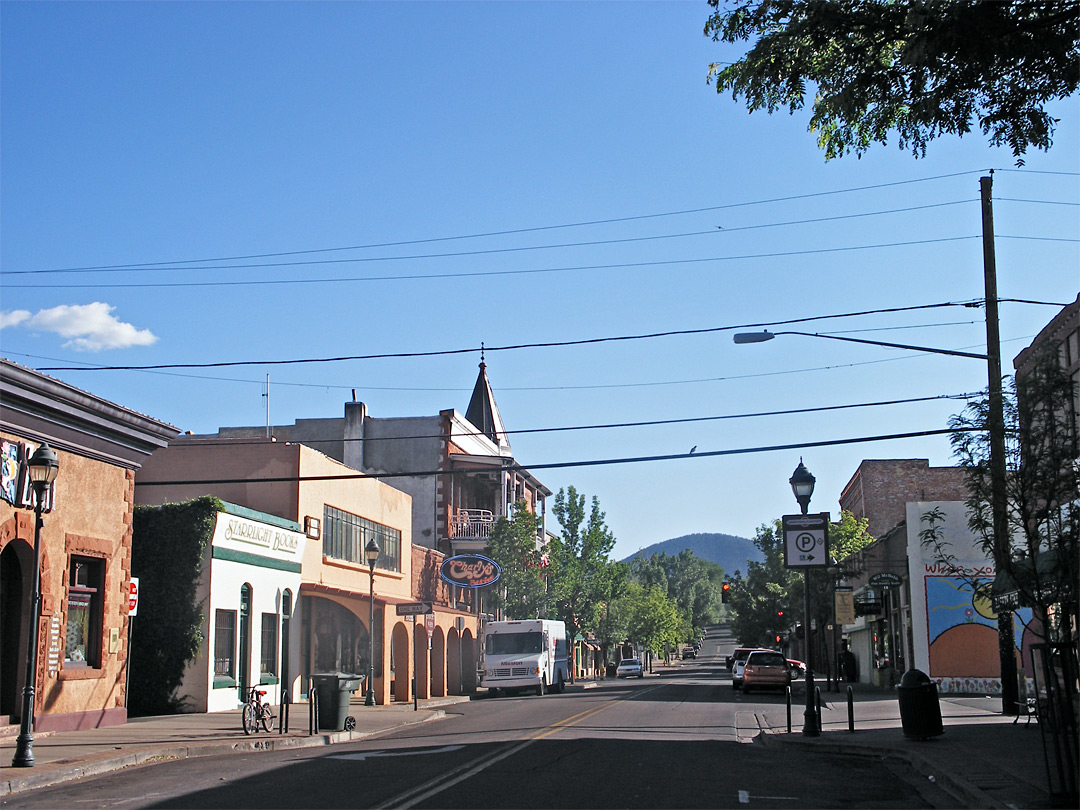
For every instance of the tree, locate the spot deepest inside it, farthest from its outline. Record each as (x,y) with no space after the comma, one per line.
(766,602)
(654,621)
(689,581)
(918,69)
(759,602)
(1041,559)
(512,544)
(581,576)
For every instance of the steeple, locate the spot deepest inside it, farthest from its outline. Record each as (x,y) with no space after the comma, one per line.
(483,412)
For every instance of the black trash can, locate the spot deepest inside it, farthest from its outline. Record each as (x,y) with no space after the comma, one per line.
(920,712)
(335,689)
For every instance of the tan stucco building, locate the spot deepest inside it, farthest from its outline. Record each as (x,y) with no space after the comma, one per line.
(82,634)
(340,510)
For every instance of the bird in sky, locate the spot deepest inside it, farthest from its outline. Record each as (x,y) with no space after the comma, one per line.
(692,449)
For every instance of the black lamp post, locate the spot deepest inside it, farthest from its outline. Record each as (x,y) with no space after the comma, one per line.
(371,554)
(43,467)
(802,484)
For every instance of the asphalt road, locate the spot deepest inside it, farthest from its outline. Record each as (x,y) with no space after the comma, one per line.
(684,740)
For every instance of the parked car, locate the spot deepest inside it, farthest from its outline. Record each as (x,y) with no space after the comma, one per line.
(689,652)
(738,665)
(630,667)
(798,668)
(765,669)
(740,652)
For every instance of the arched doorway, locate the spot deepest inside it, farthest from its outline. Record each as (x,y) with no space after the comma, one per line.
(468,662)
(438,663)
(12,618)
(400,662)
(453,662)
(422,658)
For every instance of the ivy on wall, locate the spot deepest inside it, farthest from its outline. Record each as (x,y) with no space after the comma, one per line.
(168,544)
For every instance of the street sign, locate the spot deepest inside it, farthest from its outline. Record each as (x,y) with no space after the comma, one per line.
(415,608)
(133,597)
(806,540)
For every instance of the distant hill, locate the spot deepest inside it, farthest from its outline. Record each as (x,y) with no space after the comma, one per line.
(726,550)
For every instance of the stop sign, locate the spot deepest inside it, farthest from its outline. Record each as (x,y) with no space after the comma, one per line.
(133,597)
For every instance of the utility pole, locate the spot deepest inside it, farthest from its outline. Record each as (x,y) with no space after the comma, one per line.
(1010,692)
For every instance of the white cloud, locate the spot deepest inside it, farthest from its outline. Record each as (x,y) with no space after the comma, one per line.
(88,327)
(13,318)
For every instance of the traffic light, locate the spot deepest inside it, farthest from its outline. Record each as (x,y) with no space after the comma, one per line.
(780,613)
(725,591)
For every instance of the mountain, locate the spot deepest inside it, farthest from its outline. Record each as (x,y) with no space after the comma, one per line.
(726,550)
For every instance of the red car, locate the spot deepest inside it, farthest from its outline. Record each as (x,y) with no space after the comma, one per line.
(765,668)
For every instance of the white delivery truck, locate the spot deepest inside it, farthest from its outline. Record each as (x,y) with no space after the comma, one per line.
(526,654)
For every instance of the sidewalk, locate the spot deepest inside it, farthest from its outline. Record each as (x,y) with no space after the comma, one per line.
(983,759)
(64,756)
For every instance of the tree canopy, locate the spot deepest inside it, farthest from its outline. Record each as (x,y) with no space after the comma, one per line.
(917,69)
(513,545)
(581,574)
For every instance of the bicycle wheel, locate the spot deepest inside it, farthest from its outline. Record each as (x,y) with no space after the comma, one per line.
(267,718)
(250,719)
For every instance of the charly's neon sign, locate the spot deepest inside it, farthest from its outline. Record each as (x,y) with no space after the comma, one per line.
(470,571)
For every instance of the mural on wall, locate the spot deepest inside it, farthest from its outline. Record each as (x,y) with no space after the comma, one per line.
(962,629)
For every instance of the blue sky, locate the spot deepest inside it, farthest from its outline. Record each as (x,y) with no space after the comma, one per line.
(144,134)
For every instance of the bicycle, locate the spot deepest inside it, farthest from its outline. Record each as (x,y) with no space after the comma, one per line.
(256,712)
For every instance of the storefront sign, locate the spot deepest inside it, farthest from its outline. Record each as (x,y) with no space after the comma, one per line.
(15,486)
(845,607)
(253,537)
(886,580)
(470,571)
(133,597)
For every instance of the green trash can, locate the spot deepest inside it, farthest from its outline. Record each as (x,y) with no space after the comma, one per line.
(920,712)
(335,690)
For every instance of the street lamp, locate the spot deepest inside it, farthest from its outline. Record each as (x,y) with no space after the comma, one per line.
(371,554)
(995,430)
(802,485)
(42,469)
(761,337)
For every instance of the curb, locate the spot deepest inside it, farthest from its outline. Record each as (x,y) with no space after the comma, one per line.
(151,755)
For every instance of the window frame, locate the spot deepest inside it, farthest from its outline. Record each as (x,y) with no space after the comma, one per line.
(225,679)
(92,590)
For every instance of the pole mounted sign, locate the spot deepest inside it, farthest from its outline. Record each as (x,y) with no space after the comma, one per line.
(806,540)
(415,609)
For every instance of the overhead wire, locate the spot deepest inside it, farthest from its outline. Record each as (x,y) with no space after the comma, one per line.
(534,229)
(479,273)
(557,464)
(513,347)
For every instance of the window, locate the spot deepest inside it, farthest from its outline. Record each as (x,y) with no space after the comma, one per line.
(86,587)
(345,535)
(268,648)
(225,645)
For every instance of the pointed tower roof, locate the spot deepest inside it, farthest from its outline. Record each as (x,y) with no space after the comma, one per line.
(483,412)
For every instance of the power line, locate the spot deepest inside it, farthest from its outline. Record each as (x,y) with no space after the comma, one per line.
(543,345)
(715,231)
(557,464)
(478,273)
(311,440)
(535,229)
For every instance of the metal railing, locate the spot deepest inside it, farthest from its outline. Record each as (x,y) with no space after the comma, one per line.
(471,524)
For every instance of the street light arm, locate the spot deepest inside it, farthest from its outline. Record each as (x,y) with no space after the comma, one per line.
(761,337)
